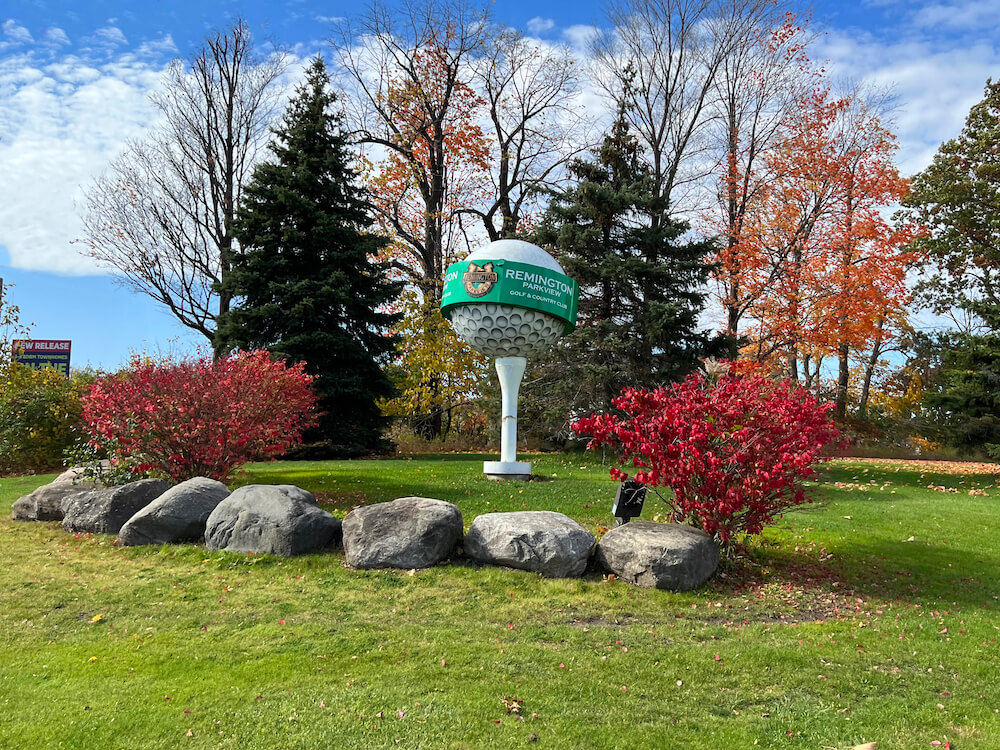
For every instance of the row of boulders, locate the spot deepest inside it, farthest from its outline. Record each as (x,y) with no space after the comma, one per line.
(407,533)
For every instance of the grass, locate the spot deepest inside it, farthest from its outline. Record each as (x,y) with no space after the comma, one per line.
(870,615)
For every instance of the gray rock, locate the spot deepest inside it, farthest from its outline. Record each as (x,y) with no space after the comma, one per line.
(105,511)
(541,541)
(271,519)
(411,532)
(660,555)
(178,515)
(46,502)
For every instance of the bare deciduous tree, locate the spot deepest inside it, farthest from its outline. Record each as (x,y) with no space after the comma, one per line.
(536,125)
(162,214)
(665,57)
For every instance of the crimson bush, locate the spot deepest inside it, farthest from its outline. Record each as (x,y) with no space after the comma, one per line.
(196,417)
(735,453)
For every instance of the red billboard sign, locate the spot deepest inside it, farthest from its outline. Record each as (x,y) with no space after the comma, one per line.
(40,353)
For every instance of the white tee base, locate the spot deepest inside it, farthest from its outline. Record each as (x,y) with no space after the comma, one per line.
(510,370)
(517,470)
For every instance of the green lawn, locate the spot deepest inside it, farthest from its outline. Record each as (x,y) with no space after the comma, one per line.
(868,616)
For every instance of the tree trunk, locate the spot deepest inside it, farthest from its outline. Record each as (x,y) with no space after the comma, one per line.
(843,380)
(870,371)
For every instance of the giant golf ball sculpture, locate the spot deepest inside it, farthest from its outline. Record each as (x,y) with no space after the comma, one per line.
(509,300)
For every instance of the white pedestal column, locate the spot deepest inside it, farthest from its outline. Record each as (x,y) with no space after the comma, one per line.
(510,370)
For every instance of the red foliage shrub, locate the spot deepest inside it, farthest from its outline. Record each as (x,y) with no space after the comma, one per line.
(735,453)
(196,417)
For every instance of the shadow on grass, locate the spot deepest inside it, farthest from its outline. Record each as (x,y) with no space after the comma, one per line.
(813,583)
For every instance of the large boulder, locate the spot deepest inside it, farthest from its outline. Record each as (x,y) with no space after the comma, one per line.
(105,511)
(659,555)
(46,502)
(541,541)
(178,515)
(278,519)
(411,532)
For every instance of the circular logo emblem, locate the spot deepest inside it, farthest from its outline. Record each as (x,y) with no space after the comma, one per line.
(479,280)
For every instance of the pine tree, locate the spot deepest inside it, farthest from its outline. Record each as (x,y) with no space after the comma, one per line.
(307,288)
(641,283)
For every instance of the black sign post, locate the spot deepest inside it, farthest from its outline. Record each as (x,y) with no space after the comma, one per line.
(628,501)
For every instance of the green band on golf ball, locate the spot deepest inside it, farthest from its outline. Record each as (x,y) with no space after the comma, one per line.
(507,282)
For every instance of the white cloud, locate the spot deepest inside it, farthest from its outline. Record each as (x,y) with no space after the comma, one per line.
(935,80)
(971,15)
(539,25)
(579,36)
(15,34)
(164,46)
(107,36)
(63,118)
(60,124)
(55,35)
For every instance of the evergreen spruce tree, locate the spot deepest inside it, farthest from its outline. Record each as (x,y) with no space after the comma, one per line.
(307,288)
(963,401)
(641,283)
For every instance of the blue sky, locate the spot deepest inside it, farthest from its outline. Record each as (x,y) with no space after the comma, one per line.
(75,77)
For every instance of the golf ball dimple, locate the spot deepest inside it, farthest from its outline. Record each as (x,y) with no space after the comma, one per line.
(505,330)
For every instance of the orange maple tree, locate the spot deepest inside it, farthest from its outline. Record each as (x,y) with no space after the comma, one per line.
(827,265)
(435,165)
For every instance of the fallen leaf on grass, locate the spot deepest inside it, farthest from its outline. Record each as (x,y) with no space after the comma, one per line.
(512,704)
